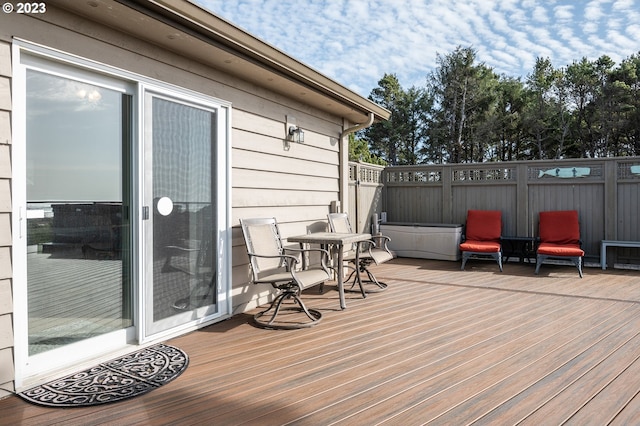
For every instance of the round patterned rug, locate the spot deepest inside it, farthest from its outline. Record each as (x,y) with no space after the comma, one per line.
(131,375)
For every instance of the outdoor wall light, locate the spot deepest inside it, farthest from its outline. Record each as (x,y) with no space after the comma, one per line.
(296,134)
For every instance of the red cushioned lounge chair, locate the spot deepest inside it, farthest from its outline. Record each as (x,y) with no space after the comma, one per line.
(482,236)
(560,238)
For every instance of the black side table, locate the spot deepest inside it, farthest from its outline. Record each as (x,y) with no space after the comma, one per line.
(521,247)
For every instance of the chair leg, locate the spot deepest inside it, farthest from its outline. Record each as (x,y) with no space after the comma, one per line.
(578,262)
(539,259)
(372,279)
(314,315)
(498,258)
(356,280)
(275,305)
(465,257)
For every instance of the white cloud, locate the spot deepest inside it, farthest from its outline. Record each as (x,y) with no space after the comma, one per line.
(356,42)
(593,10)
(633,31)
(623,5)
(540,14)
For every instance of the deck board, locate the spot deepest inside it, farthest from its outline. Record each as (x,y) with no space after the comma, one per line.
(439,346)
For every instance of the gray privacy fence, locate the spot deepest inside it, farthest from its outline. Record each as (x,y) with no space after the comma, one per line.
(605,192)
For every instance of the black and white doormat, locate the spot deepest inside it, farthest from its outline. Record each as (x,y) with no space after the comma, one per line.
(125,377)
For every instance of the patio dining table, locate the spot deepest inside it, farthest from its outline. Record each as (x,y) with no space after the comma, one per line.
(338,240)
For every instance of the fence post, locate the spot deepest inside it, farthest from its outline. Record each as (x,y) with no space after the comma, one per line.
(358,211)
(611,200)
(447,194)
(522,201)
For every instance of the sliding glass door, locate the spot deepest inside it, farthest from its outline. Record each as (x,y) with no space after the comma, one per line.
(180,284)
(77,215)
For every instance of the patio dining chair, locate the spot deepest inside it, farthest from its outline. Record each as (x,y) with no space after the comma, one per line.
(271,263)
(372,251)
(559,238)
(482,236)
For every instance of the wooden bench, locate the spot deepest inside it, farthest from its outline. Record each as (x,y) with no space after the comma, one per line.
(614,243)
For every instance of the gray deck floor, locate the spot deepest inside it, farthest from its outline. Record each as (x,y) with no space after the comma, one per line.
(439,346)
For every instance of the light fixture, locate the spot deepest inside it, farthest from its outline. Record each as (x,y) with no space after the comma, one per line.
(296,134)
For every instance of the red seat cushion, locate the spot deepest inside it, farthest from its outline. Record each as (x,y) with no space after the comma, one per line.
(551,249)
(560,227)
(480,246)
(483,225)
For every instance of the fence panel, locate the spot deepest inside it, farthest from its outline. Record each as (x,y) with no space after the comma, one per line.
(365,194)
(415,204)
(414,194)
(627,226)
(486,197)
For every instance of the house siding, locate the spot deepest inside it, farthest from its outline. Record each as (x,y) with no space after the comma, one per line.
(295,184)
(6,305)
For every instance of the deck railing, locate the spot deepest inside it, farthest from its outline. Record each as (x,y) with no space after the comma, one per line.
(604,191)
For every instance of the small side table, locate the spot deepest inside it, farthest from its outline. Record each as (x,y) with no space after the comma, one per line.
(522,247)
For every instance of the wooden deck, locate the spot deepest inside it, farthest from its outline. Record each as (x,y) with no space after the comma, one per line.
(439,346)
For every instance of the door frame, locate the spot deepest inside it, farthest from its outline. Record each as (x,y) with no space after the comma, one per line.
(222,205)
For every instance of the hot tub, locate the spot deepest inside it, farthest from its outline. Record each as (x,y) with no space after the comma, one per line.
(438,241)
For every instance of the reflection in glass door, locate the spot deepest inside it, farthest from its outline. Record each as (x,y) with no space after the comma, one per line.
(78,238)
(180,285)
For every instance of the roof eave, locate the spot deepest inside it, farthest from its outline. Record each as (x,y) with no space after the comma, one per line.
(222,32)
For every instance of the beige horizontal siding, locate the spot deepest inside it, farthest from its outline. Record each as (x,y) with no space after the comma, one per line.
(253,160)
(280,198)
(247,178)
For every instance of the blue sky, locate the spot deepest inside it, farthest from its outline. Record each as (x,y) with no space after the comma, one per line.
(356,42)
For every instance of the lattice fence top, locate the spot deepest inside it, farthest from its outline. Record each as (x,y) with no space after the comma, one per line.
(365,173)
(484,174)
(629,170)
(415,176)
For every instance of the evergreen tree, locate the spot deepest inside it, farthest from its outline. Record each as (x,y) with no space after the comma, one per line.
(466,113)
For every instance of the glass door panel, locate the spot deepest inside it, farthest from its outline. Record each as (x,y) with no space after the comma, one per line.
(78,238)
(180,285)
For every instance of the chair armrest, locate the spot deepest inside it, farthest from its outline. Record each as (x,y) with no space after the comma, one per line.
(265,256)
(289,260)
(381,238)
(323,258)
